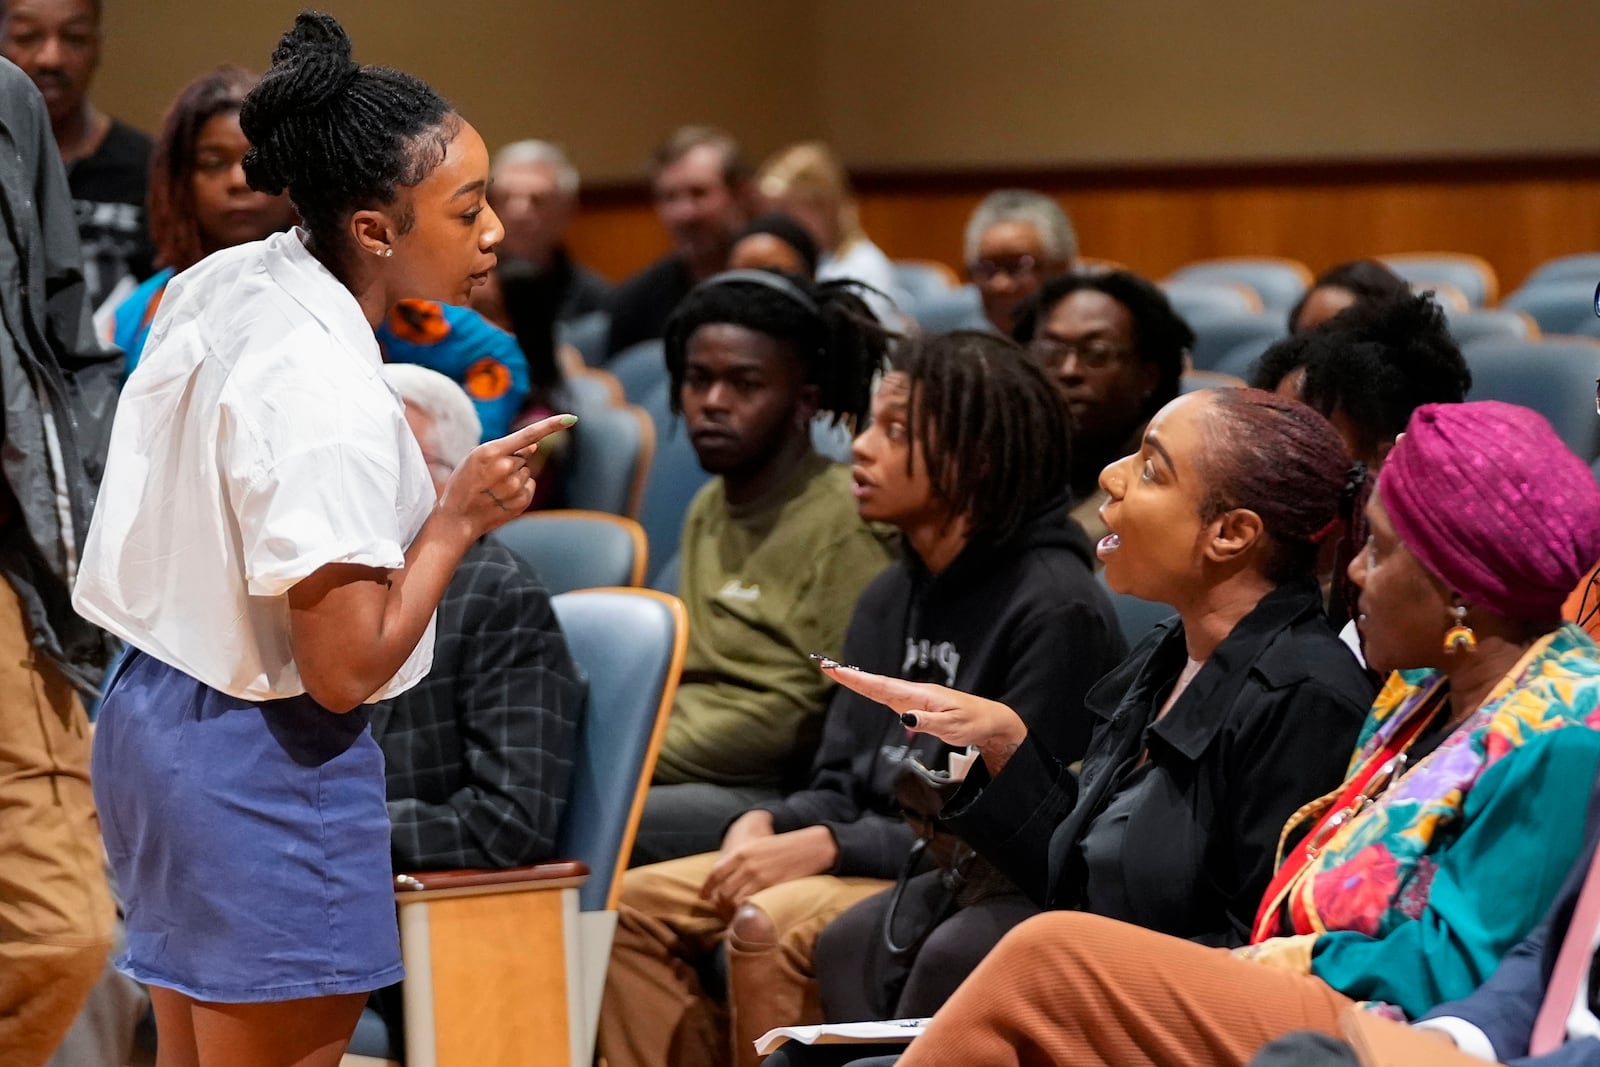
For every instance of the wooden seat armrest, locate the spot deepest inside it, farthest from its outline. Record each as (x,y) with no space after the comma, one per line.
(475,878)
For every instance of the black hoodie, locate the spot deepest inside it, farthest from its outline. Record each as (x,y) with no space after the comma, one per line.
(1023,622)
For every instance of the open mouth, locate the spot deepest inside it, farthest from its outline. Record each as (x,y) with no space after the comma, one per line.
(1108,545)
(861,486)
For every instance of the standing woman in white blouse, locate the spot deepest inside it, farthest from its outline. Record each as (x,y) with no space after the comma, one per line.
(268,543)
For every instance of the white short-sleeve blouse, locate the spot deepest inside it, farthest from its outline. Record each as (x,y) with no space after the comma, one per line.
(254,443)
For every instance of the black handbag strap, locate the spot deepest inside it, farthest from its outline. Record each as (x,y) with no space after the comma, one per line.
(951,879)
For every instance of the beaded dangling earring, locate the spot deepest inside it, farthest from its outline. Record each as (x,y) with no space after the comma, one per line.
(1460,638)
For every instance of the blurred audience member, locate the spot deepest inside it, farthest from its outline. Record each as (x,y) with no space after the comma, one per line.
(1366,370)
(774,241)
(57,44)
(1016,240)
(1356,282)
(533,187)
(199,199)
(808,182)
(1116,349)
(698,177)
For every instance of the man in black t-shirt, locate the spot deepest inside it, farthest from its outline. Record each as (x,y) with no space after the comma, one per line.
(697,178)
(57,44)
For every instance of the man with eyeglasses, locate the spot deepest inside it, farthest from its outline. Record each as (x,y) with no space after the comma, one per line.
(1016,241)
(1115,349)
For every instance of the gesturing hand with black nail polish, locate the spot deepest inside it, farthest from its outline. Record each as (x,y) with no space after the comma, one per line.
(955,718)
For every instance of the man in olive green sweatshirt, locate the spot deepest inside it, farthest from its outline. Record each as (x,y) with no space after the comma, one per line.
(774,555)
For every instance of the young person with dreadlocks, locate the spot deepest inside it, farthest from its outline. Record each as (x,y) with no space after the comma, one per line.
(773,553)
(966,456)
(269,543)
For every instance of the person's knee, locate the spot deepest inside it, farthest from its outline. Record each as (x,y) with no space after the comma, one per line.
(752,929)
(1061,926)
(1056,940)
(958,944)
(786,906)
(954,946)
(951,952)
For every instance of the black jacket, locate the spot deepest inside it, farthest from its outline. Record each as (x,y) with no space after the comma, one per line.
(1268,724)
(641,305)
(1024,623)
(57,384)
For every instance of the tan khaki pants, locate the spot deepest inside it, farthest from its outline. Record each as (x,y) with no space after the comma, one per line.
(1067,989)
(655,1012)
(55,908)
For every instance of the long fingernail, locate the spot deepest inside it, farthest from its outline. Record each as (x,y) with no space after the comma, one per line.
(909,720)
(569,420)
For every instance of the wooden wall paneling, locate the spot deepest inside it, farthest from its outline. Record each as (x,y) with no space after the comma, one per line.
(1515,215)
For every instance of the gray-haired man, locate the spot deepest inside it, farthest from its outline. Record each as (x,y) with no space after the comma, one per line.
(534,190)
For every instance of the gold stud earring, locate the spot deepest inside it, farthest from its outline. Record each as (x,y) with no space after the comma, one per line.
(1460,638)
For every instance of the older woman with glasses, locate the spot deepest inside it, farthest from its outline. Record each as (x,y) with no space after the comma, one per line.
(1016,240)
(1461,813)
(1115,348)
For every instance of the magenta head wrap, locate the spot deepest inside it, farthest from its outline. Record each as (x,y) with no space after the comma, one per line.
(1493,503)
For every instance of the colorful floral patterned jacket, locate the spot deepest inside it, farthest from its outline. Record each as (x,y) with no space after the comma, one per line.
(1415,900)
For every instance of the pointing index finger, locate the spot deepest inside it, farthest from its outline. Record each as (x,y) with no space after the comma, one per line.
(533,433)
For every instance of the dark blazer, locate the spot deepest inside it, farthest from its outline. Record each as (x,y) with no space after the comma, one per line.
(1268,724)
(479,753)
(1505,1006)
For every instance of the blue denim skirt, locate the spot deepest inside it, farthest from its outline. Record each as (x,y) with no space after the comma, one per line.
(250,841)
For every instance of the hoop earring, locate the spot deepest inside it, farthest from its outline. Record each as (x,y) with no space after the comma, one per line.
(1460,638)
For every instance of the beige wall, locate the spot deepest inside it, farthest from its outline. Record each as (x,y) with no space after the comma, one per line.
(604,77)
(941,83)
(1048,81)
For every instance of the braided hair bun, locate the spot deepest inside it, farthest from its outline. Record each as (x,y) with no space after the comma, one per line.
(340,136)
(310,67)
